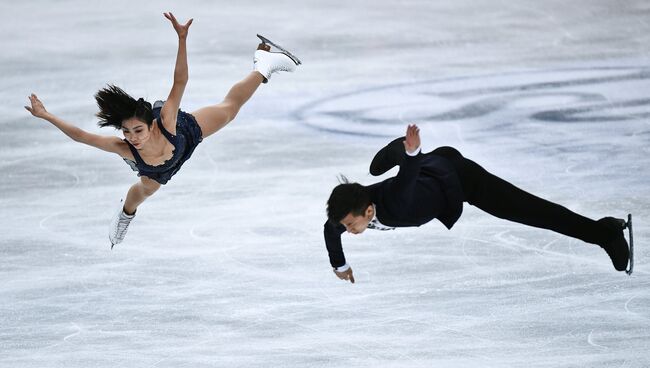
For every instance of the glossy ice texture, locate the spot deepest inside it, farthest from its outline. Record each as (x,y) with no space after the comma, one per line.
(226,266)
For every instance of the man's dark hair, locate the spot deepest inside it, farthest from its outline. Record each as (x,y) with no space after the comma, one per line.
(115,106)
(347,198)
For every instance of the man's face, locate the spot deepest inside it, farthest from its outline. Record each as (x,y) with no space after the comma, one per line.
(358,224)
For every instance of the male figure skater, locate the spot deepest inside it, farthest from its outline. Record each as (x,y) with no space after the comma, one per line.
(435,185)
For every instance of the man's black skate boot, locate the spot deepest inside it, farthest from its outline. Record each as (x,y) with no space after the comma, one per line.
(388,157)
(616,246)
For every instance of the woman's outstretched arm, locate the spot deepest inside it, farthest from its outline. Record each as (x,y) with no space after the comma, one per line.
(107,143)
(181,75)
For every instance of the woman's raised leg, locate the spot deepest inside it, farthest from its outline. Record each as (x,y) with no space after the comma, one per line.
(214,117)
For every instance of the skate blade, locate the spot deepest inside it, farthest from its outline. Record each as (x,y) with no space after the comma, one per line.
(284,51)
(628,225)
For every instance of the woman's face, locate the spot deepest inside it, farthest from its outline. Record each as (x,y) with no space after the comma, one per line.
(136,132)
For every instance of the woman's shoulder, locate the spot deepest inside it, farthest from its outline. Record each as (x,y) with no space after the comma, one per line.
(123,149)
(168,120)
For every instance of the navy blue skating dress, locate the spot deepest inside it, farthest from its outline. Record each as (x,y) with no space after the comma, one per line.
(188,136)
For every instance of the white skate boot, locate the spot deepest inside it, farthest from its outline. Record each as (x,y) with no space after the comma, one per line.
(119,225)
(267,63)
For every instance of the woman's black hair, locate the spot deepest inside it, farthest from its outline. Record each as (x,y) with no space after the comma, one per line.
(347,198)
(115,106)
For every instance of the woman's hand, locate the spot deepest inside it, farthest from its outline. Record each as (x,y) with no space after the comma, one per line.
(37,109)
(181,30)
(412,139)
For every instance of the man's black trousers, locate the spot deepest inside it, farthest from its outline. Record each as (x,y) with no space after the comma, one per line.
(504,200)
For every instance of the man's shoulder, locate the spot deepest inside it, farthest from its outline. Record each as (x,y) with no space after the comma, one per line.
(437,163)
(331,227)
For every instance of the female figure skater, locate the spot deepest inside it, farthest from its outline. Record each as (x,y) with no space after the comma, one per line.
(159,140)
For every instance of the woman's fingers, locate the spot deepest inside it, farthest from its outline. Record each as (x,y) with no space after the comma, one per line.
(175,23)
(34,99)
(171,18)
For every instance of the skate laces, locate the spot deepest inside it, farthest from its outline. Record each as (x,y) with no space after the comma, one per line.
(282,66)
(122,225)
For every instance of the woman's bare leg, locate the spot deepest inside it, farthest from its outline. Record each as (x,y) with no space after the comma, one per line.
(138,193)
(214,117)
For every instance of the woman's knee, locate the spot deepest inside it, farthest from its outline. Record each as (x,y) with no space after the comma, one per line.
(148,187)
(149,191)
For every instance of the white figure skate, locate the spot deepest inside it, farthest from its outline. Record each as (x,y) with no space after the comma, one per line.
(119,225)
(267,62)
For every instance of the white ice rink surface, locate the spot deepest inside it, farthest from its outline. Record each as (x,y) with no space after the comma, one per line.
(226,266)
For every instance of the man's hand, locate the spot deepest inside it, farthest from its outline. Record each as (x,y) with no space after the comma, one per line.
(181,29)
(412,139)
(345,275)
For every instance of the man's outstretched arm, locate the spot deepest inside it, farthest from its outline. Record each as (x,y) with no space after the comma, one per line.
(406,178)
(332,234)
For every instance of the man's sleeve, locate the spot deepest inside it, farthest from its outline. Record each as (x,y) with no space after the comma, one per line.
(404,183)
(333,243)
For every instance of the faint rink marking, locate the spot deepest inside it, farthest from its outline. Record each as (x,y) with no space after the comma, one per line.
(62,233)
(41,224)
(546,15)
(66,338)
(502,244)
(550,243)
(556,338)
(627,309)
(247,268)
(344,341)
(213,175)
(591,342)
(179,351)
(464,240)
(546,251)
(193,232)
(388,317)
(276,318)
(325,114)
(74,333)
(569,169)
(45,168)
(567,255)
(44,220)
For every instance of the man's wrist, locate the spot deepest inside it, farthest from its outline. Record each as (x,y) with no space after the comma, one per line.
(415,152)
(343,268)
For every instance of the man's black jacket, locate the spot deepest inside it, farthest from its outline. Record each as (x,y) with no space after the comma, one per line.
(426,187)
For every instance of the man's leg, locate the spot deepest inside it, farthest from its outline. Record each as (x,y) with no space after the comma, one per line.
(504,200)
